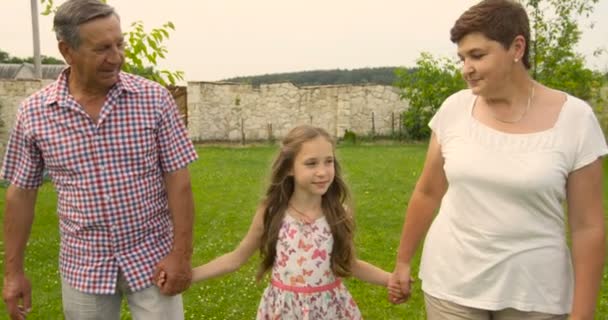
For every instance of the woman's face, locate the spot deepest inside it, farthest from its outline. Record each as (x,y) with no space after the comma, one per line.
(486,65)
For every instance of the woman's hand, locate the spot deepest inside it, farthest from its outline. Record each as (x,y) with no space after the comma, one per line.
(400,284)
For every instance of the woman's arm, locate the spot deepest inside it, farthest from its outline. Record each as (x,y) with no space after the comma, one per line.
(233,260)
(586,219)
(425,199)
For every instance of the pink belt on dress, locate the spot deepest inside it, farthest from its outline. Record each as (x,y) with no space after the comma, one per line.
(307,289)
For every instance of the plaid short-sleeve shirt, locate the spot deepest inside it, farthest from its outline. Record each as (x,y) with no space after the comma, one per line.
(111,202)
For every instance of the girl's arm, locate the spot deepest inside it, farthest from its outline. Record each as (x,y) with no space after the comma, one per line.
(368,272)
(233,260)
(586,219)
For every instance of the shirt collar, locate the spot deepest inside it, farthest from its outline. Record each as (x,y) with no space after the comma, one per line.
(59,90)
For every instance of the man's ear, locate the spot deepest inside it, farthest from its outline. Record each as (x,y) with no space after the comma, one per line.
(66,51)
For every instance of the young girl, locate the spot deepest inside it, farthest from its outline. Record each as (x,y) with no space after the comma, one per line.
(304,231)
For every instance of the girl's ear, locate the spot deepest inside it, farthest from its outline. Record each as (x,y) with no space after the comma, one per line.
(290,171)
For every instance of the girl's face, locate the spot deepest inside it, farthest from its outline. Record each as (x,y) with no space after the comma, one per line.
(313,167)
(486,65)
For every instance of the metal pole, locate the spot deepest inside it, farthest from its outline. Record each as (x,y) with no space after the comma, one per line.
(36,34)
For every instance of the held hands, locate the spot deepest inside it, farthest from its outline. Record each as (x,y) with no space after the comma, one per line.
(394,290)
(17,295)
(162,278)
(173,274)
(400,284)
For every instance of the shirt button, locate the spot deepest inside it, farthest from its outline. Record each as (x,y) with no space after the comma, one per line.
(108,198)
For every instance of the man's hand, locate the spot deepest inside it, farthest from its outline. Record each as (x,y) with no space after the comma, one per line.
(175,272)
(17,295)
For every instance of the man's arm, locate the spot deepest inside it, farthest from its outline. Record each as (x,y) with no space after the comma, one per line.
(176,265)
(18,219)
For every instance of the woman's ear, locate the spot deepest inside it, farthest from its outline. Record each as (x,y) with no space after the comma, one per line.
(518,47)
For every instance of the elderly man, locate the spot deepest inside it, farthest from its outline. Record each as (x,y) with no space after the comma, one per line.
(117,154)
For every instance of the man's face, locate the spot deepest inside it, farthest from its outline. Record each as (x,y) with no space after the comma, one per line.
(97,61)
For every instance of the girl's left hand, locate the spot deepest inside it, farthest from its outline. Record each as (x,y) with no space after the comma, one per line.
(400,284)
(395,293)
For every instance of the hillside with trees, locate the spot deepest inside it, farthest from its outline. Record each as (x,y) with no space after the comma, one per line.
(5,57)
(380,75)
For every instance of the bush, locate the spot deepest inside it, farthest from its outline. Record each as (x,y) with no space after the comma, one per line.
(415,122)
(349,137)
(425,88)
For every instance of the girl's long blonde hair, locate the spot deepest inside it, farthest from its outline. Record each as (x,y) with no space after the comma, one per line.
(333,204)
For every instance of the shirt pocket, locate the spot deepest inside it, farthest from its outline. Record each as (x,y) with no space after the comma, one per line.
(65,150)
(134,151)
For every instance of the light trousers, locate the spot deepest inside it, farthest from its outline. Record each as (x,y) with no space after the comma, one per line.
(146,304)
(437,309)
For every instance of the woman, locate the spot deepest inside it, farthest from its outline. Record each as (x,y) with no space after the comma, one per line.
(503,157)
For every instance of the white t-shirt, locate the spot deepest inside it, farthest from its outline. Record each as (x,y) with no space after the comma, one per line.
(498,240)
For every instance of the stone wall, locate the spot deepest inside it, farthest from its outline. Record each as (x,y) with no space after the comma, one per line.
(236,112)
(12,93)
(231,112)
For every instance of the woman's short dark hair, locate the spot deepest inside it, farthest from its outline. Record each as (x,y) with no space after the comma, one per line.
(498,20)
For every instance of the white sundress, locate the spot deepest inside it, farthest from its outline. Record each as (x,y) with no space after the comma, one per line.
(302,284)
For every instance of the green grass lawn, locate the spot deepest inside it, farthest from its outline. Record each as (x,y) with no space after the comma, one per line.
(227,184)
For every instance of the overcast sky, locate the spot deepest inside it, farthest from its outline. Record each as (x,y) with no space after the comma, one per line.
(217,39)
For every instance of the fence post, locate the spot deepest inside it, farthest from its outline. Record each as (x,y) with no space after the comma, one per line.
(242,131)
(400,125)
(269,129)
(393,124)
(373,126)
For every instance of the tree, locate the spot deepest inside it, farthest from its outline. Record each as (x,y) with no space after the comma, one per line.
(48,60)
(378,75)
(426,87)
(556,32)
(555,63)
(143,49)
(5,57)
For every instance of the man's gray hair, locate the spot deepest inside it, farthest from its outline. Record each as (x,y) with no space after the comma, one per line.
(73,13)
